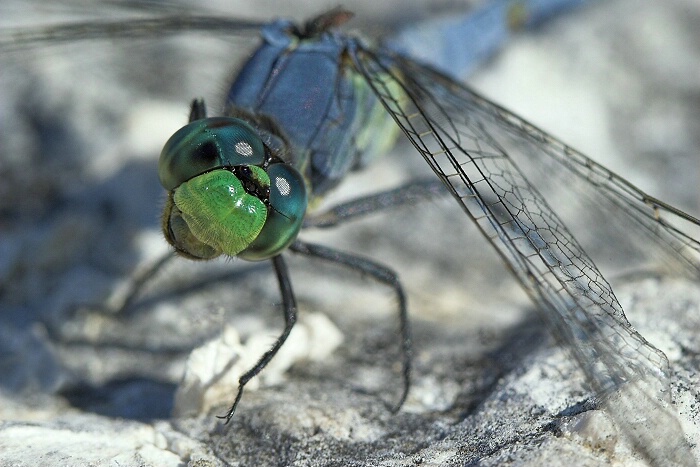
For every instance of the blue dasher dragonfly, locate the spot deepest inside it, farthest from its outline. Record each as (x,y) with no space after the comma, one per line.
(469,141)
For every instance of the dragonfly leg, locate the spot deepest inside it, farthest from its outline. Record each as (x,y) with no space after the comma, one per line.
(118,306)
(289,305)
(417,190)
(142,280)
(198,110)
(382,274)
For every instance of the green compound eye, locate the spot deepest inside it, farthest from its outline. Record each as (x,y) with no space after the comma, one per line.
(288,202)
(220,200)
(205,145)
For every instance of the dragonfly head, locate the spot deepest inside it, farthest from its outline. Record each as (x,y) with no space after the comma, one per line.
(227,193)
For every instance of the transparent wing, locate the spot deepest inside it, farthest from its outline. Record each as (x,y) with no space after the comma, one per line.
(469,142)
(139,28)
(118,20)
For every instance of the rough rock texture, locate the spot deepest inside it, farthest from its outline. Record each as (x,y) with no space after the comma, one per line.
(80,131)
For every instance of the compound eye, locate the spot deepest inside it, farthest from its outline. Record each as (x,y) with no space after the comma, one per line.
(287,192)
(287,207)
(205,145)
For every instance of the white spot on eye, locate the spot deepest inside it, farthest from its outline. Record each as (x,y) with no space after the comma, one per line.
(283,186)
(244,149)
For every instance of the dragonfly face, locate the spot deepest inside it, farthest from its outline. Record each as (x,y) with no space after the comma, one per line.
(228,193)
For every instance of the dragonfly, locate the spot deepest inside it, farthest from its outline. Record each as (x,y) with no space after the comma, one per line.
(469,142)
